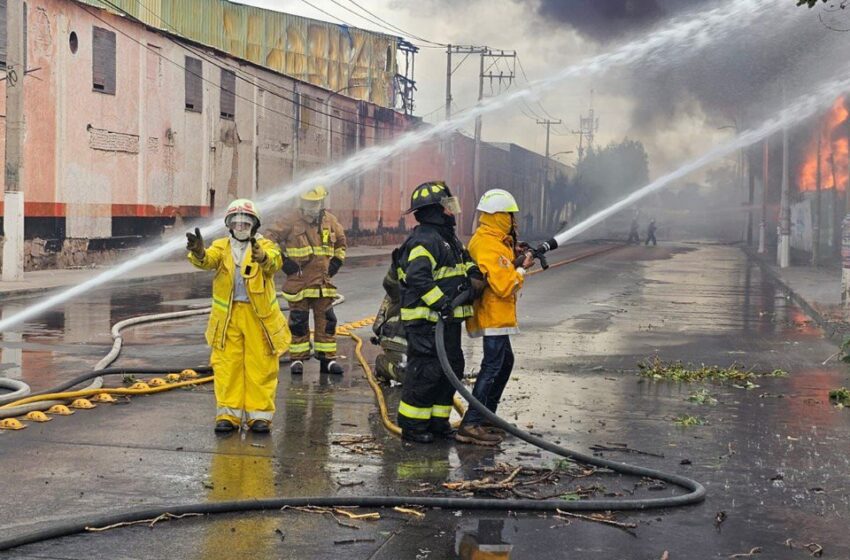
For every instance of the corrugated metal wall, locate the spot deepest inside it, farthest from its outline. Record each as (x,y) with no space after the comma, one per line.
(318,52)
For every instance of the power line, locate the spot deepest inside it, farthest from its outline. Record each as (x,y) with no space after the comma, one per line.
(398,29)
(330,15)
(542,108)
(237,72)
(236,95)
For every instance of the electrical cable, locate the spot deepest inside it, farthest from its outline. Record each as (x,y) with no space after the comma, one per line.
(399,29)
(234,70)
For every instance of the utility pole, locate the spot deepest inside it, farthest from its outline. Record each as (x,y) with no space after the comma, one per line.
(13,207)
(587,129)
(765,180)
(845,237)
(544,187)
(501,76)
(817,209)
(784,246)
(447,143)
(751,198)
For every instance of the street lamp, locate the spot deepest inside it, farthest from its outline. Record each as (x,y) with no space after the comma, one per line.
(561,153)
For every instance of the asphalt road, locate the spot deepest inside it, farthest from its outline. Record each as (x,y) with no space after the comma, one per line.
(772,456)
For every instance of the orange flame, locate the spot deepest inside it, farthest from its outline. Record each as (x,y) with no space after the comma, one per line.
(834,151)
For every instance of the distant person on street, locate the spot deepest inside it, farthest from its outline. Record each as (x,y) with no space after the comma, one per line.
(633,232)
(650,233)
(247,330)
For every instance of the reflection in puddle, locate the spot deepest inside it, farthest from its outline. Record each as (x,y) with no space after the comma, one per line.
(482,540)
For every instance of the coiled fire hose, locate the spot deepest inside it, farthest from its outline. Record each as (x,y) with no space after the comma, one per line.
(696,491)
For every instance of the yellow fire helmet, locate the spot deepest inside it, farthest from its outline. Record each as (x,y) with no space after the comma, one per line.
(315,194)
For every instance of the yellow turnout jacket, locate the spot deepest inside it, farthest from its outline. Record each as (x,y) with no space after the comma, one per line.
(259,283)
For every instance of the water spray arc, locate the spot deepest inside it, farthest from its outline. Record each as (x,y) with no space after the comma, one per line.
(697,31)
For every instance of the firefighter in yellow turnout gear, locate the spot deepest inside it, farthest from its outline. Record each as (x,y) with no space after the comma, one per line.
(314,248)
(247,330)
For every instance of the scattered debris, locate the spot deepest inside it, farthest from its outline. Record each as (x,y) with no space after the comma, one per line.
(678,371)
(753,551)
(814,549)
(354,541)
(624,449)
(409,511)
(151,522)
(719,518)
(688,420)
(333,512)
(257,445)
(841,397)
(604,518)
(347,484)
(702,397)
(361,445)
(281,533)
(665,556)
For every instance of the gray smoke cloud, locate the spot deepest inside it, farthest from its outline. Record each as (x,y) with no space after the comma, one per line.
(732,81)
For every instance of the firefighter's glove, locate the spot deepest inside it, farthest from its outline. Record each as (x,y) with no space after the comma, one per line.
(290,267)
(446,312)
(195,243)
(525,260)
(257,252)
(334,266)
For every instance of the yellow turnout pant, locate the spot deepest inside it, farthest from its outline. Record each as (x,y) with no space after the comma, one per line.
(245,370)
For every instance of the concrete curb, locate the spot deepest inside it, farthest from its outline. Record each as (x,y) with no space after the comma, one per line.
(10,295)
(829,328)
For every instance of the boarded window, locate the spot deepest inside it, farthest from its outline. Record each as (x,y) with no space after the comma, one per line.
(3,33)
(194,85)
(228,94)
(103,60)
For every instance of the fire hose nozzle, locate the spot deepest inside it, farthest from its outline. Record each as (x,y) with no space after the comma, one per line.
(540,252)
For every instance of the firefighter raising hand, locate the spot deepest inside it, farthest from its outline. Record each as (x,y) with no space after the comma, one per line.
(195,243)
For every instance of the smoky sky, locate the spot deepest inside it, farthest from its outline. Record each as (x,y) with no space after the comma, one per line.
(731,81)
(603,20)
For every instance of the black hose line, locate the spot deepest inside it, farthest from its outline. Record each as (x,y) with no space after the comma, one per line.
(696,491)
(695,495)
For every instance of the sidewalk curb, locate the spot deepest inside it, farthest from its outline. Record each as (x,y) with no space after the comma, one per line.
(27,292)
(829,328)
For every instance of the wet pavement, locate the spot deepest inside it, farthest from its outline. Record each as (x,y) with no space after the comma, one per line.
(773,457)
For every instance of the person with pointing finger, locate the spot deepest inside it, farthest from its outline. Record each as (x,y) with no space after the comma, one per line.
(247,331)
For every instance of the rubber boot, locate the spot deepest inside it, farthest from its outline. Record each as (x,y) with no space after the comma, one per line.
(330,366)
(224,426)
(417,436)
(442,429)
(296,367)
(260,426)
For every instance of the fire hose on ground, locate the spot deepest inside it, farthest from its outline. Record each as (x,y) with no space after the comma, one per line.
(695,491)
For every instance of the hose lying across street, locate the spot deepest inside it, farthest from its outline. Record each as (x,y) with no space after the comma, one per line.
(695,491)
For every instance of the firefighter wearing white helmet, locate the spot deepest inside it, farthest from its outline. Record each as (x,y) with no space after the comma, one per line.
(494,249)
(247,330)
(314,250)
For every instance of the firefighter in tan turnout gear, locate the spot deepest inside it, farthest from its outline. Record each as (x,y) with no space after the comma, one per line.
(314,249)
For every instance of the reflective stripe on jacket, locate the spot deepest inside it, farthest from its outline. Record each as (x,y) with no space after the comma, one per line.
(259,282)
(431,272)
(312,246)
(491,247)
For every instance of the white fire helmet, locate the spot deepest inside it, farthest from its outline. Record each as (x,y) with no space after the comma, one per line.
(497,200)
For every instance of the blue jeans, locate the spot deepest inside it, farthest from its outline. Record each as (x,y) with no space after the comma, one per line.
(495,371)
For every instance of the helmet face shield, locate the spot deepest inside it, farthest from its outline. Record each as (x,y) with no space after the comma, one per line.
(242,225)
(451,203)
(311,208)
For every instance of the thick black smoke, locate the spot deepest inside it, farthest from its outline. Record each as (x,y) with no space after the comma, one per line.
(731,80)
(603,20)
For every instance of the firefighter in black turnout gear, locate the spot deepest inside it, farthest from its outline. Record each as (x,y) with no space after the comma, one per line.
(433,269)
